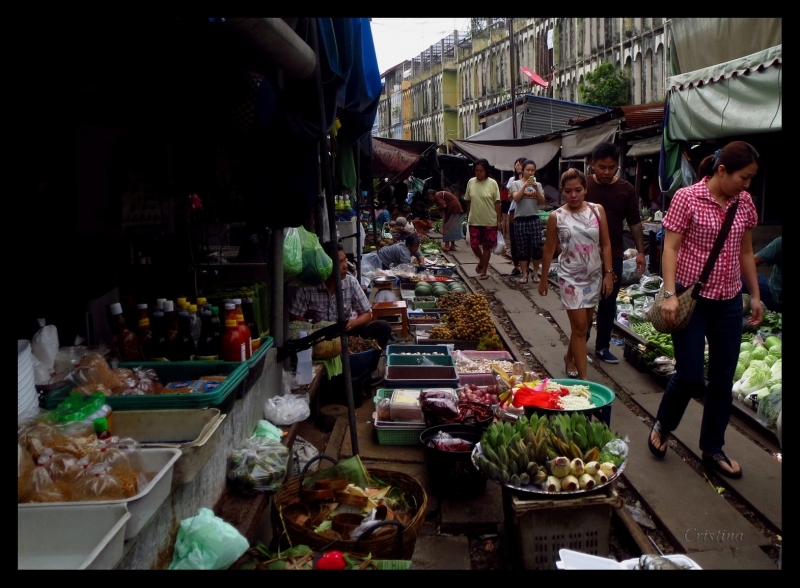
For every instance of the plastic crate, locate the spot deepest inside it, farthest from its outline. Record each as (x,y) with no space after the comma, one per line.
(413,360)
(255,367)
(424,349)
(172,371)
(633,355)
(396,434)
(460,344)
(411,375)
(473,354)
(476,379)
(423,304)
(541,527)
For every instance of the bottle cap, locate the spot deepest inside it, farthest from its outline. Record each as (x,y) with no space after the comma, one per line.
(160,303)
(248,300)
(100,425)
(116,308)
(168,306)
(215,310)
(181,300)
(230,306)
(201,301)
(183,313)
(141,306)
(192,308)
(158,313)
(237,301)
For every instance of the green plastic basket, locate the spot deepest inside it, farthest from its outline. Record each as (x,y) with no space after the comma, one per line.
(393,564)
(255,366)
(396,435)
(413,360)
(173,371)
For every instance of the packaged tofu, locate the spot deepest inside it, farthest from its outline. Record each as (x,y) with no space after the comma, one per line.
(405,407)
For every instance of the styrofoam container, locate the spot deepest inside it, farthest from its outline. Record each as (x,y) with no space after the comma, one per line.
(58,537)
(576,560)
(195,431)
(144,505)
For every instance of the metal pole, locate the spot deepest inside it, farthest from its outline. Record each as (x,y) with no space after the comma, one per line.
(513,77)
(276,290)
(358,211)
(326,174)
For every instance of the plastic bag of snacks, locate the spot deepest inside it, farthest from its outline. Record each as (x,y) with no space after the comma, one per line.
(25,467)
(258,464)
(99,484)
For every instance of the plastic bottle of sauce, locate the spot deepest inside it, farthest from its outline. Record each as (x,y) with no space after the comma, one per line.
(159,347)
(233,346)
(144,331)
(250,321)
(244,328)
(194,323)
(184,344)
(170,328)
(207,345)
(216,325)
(125,341)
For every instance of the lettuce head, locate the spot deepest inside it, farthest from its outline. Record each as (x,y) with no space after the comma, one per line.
(759,352)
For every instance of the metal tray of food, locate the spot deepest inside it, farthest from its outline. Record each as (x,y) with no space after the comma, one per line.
(540,491)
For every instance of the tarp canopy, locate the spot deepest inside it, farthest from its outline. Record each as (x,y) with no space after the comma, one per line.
(498,131)
(644,147)
(503,154)
(732,38)
(738,97)
(581,143)
(397,159)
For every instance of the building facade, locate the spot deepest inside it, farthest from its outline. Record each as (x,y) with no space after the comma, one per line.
(465,74)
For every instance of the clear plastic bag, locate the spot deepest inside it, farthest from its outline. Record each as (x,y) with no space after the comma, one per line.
(287,409)
(99,484)
(769,408)
(258,464)
(25,467)
(437,403)
(500,247)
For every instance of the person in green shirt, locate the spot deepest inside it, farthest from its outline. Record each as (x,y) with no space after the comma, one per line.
(770,288)
(483,214)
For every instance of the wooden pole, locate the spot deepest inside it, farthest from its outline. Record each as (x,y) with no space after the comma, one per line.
(513,77)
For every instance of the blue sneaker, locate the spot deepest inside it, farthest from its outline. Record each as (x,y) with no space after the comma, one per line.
(606,356)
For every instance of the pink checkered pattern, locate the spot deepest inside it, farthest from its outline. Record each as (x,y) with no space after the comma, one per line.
(695,214)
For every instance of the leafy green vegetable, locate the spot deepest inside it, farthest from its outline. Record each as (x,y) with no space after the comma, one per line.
(746,346)
(740,367)
(776,351)
(745,357)
(770,359)
(760,352)
(772,341)
(608,456)
(754,379)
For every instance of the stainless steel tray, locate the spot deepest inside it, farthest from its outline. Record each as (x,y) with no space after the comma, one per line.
(539,490)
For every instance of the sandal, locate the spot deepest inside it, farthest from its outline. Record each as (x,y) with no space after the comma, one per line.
(523,280)
(482,277)
(663,437)
(536,279)
(712,462)
(570,374)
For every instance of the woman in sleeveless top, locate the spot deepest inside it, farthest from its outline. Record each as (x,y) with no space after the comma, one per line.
(582,231)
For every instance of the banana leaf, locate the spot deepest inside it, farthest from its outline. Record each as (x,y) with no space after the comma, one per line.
(350,468)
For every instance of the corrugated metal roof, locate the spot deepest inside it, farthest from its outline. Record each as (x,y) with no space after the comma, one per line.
(638,115)
(547,115)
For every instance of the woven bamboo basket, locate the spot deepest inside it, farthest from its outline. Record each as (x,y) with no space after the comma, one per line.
(386,545)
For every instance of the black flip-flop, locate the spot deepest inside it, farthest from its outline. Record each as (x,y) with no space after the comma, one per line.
(659,453)
(712,462)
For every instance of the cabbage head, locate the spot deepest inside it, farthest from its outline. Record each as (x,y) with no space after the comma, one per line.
(777,369)
(776,351)
(745,356)
(740,367)
(746,346)
(769,360)
(759,364)
(754,379)
(759,352)
(772,341)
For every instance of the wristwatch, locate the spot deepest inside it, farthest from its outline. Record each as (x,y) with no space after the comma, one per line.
(668,294)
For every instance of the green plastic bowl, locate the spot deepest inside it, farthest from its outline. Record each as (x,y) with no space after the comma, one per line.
(602,396)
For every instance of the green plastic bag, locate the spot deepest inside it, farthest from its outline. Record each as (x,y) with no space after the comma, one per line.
(292,253)
(206,542)
(317,265)
(268,430)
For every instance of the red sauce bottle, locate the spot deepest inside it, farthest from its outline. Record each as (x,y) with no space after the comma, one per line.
(234,347)
(243,328)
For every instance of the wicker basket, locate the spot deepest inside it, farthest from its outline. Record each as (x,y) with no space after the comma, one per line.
(383,546)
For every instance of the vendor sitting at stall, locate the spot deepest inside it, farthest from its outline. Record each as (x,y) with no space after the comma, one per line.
(402,252)
(318,303)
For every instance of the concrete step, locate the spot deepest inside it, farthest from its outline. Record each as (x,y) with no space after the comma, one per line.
(760,485)
(684,501)
(441,553)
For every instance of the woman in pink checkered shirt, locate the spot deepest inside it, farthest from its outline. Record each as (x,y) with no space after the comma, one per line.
(692,223)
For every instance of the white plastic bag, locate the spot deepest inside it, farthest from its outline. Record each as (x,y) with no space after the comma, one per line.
(45,347)
(500,248)
(287,409)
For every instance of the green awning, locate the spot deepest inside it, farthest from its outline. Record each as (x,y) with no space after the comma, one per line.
(738,97)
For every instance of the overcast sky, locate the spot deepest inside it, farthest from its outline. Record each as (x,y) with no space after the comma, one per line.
(399,39)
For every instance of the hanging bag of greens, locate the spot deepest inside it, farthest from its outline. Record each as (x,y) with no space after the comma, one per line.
(317,265)
(292,252)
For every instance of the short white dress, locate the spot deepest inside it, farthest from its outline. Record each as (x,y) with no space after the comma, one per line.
(580,267)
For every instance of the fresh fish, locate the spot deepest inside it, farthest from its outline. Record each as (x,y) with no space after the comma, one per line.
(657,562)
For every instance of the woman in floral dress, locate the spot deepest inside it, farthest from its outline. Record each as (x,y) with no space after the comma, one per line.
(582,231)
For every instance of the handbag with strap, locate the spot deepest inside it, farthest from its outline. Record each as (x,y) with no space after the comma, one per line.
(687,299)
